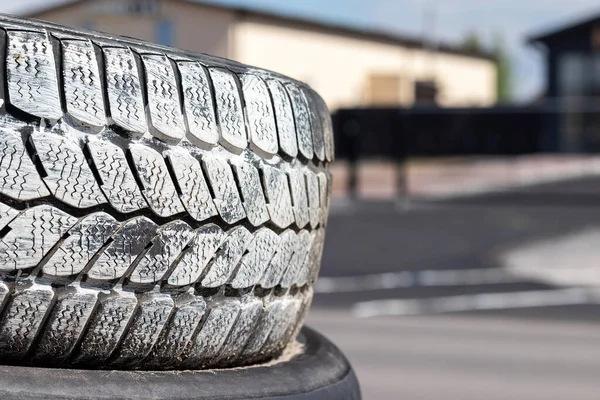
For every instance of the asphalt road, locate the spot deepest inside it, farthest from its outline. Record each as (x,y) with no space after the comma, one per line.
(447,336)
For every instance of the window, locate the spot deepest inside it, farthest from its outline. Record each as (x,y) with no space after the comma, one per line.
(425,92)
(165,32)
(384,89)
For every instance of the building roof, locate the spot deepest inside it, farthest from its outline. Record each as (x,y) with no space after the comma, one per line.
(335,28)
(566,29)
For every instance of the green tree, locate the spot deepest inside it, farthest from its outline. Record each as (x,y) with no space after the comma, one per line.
(504,70)
(472,42)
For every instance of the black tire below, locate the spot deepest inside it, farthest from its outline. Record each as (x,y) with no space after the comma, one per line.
(320,372)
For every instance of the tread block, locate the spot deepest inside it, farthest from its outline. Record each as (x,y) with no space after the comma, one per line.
(283,326)
(169,242)
(194,260)
(212,335)
(252,193)
(178,332)
(158,187)
(325,195)
(258,339)
(65,325)
(22,319)
(300,197)
(256,259)
(278,196)
(229,110)
(327,126)
(151,317)
(307,266)
(108,324)
(7,214)
(281,260)
(118,183)
(316,122)
(227,257)
(226,195)
(286,127)
(70,178)
(18,177)
(298,260)
(81,81)
(316,255)
(33,233)
(124,90)
(314,200)
(85,239)
(128,242)
(247,320)
(195,194)
(166,116)
(261,118)
(302,118)
(31,74)
(198,104)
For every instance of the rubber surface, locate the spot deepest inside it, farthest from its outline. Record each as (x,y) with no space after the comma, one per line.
(158,208)
(320,372)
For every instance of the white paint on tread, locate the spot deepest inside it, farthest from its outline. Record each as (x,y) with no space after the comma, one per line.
(31,74)
(286,128)
(33,233)
(18,177)
(65,325)
(198,104)
(300,197)
(229,110)
(256,259)
(118,183)
(82,85)
(85,239)
(226,196)
(278,196)
(194,260)
(195,194)
(302,118)
(22,319)
(252,193)
(158,187)
(106,328)
(166,116)
(170,240)
(124,90)
(128,242)
(70,178)
(228,257)
(281,260)
(261,118)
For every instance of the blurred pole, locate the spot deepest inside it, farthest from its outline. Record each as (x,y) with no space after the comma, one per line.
(351,133)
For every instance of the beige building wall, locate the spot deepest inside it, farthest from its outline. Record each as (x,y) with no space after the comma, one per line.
(200,29)
(346,69)
(341,67)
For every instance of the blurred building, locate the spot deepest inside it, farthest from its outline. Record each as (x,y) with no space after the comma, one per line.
(348,67)
(572,94)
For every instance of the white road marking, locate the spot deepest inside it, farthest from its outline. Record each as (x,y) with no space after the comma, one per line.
(569,260)
(485,301)
(404,279)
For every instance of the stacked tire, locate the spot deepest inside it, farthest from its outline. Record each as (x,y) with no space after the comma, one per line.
(159,209)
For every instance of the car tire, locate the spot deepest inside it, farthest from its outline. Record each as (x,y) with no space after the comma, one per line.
(159,209)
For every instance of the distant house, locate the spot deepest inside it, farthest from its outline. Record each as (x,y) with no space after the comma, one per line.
(349,67)
(573,84)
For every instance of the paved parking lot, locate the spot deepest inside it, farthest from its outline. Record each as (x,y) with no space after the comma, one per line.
(420,302)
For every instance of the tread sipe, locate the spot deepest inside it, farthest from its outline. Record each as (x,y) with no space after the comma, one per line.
(158,208)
